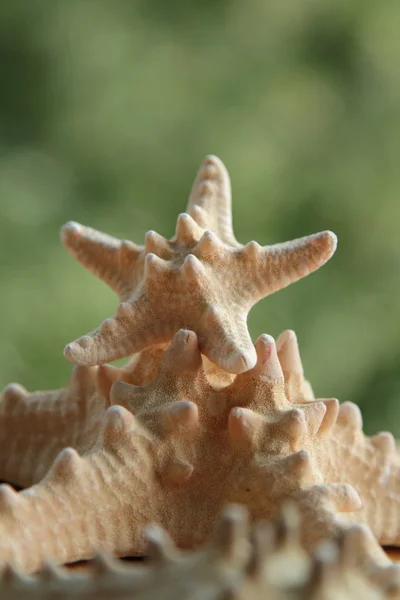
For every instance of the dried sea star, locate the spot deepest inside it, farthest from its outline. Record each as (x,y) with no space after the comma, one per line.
(202,279)
(177,449)
(35,427)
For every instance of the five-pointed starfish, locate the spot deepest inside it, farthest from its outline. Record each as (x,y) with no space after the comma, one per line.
(202,279)
(177,449)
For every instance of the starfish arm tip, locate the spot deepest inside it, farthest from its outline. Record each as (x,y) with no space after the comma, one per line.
(70,229)
(241,361)
(75,353)
(212,159)
(329,241)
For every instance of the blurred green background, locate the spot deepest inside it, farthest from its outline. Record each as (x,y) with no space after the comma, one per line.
(106,111)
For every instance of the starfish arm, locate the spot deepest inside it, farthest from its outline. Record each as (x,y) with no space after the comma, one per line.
(112,260)
(107,578)
(225,340)
(35,427)
(210,199)
(297,388)
(84,504)
(135,327)
(215,569)
(339,564)
(268,269)
(372,466)
(273,565)
(327,513)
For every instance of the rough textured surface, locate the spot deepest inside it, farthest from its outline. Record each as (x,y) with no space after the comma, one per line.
(266,562)
(34,428)
(202,279)
(164,445)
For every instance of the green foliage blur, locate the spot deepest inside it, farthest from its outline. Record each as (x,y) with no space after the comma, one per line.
(106,111)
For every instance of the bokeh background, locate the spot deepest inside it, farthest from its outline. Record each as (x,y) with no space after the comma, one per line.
(106,111)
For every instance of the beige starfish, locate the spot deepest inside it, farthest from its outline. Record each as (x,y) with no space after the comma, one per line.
(176,450)
(268,563)
(169,574)
(202,279)
(35,427)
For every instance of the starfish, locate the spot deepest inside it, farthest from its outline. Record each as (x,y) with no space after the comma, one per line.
(35,427)
(175,450)
(202,279)
(266,561)
(168,573)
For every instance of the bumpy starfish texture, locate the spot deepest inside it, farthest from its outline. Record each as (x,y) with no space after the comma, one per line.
(177,449)
(268,563)
(144,366)
(202,279)
(34,428)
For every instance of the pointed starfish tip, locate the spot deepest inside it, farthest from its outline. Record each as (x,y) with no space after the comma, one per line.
(186,336)
(241,361)
(265,340)
(211,160)
(75,353)
(267,359)
(70,228)
(327,240)
(286,336)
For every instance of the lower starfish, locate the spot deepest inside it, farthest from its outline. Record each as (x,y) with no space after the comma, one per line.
(266,562)
(175,450)
(279,568)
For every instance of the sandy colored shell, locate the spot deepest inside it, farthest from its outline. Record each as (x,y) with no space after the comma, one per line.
(202,279)
(266,561)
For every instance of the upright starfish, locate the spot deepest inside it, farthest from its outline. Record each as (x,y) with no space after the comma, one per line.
(177,449)
(202,279)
